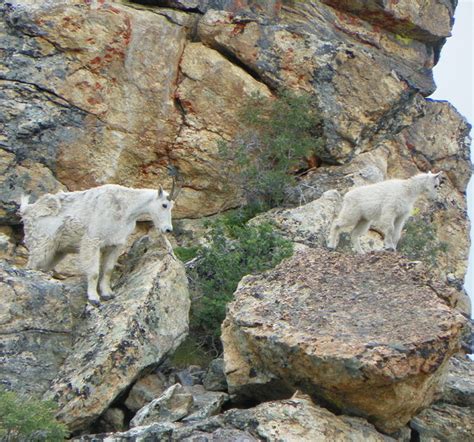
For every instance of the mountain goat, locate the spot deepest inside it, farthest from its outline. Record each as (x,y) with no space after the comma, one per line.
(96,223)
(388,202)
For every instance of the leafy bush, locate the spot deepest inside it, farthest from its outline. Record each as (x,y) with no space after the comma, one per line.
(28,419)
(419,241)
(235,250)
(185,254)
(276,137)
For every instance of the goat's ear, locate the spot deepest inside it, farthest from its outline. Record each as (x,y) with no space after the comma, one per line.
(161,192)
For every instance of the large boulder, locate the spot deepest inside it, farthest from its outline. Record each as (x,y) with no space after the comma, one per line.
(115,343)
(367,335)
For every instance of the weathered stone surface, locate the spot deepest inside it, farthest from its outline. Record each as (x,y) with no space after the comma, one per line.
(444,422)
(205,403)
(296,419)
(423,20)
(210,93)
(37,322)
(215,379)
(174,404)
(459,387)
(440,140)
(320,50)
(317,323)
(146,321)
(145,390)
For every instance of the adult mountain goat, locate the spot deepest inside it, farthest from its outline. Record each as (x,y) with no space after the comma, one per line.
(388,202)
(96,223)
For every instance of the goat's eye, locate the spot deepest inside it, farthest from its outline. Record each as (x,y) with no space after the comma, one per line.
(165,206)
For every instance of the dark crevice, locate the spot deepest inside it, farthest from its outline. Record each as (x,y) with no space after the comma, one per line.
(34,330)
(63,102)
(228,55)
(168,4)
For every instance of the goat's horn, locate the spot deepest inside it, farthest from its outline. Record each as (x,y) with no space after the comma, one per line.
(173,172)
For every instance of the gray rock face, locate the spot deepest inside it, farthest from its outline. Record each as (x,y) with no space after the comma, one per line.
(144,391)
(215,379)
(318,323)
(37,324)
(445,422)
(295,419)
(459,387)
(205,403)
(171,406)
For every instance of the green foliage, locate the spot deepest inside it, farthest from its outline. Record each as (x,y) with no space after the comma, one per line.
(185,254)
(276,137)
(28,420)
(235,250)
(419,241)
(190,352)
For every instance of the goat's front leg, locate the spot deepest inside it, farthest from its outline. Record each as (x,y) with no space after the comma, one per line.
(109,259)
(89,258)
(399,223)
(388,228)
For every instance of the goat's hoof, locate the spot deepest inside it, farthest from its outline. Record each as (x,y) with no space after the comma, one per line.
(94,302)
(107,297)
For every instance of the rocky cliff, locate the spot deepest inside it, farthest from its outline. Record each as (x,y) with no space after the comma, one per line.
(102,91)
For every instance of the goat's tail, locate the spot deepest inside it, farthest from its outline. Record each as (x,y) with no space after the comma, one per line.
(24,203)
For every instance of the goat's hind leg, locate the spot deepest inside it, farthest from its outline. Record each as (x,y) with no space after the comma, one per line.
(344,220)
(42,256)
(360,229)
(109,259)
(89,257)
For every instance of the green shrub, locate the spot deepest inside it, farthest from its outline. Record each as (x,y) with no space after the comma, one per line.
(419,241)
(235,250)
(190,352)
(28,419)
(275,138)
(186,254)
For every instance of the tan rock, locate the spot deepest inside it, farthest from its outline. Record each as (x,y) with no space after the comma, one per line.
(146,321)
(347,330)
(354,101)
(440,140)
(423,20)
(145,390)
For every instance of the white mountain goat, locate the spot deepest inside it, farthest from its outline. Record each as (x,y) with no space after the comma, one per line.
(388,202)
(96,223)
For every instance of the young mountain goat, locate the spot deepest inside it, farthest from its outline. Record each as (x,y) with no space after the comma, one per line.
(96,223)
(388,202)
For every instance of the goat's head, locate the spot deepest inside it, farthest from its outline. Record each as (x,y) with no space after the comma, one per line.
(160,211)
(432,182)
(161,207)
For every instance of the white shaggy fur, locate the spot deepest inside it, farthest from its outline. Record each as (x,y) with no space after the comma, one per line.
(388,202)
(96,223)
